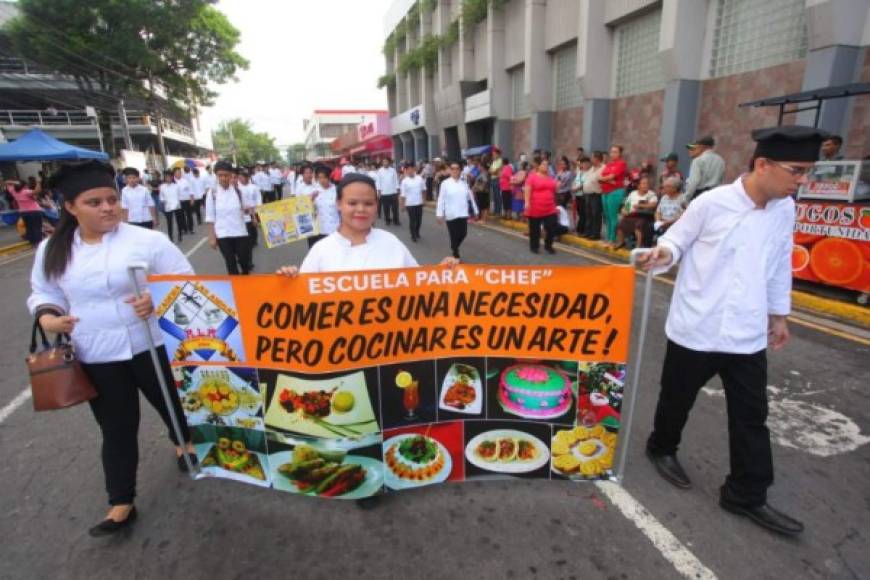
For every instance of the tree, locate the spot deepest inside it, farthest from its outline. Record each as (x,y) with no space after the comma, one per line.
(119,49)
(237,138)
(296,153)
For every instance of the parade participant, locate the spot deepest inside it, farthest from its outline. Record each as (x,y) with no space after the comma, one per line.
(388,188)
(347,167)
(411,192)
(539,194)
(172,206)
(137,205)
(225,210)
(251,197)
(306,186)
(261,180)
(455,202)
(612,180)
(80,286)
(185,198)
(153,183)
(210,178)
(707,168)
(276,178)
(324,198)
(199,186)
(731,300)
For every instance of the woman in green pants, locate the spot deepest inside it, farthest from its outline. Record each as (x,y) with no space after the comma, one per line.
(612,182)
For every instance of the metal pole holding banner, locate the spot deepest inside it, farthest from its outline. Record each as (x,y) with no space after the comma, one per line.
(628,416)
(192,470)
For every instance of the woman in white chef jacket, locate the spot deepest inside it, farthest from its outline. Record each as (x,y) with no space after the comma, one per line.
(80,286)
(325,207)
(172,205)
(225,210)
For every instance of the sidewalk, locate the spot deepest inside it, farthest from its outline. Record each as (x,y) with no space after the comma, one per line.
(801,299)
(10,241)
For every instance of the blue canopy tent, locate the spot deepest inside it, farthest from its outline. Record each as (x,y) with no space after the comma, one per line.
(475,151)
(36,145)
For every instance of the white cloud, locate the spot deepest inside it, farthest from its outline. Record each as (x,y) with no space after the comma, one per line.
(304,55)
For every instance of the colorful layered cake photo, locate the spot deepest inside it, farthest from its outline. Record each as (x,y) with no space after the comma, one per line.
(531,389)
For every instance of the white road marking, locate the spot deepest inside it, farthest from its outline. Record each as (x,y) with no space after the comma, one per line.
(808,427)
(13,405)
(24,395)
(674,551)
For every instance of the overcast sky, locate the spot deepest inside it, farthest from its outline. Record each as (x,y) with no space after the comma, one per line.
(304,55)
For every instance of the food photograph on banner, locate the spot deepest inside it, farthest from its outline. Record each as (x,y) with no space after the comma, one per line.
(199,321)
(408,394)
(499,449)
(461,388)
(342,405)
(423,455)
(531,390)
(232,453)
(222,396)
(339,469)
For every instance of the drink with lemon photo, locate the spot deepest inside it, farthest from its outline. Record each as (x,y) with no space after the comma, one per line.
(411,393)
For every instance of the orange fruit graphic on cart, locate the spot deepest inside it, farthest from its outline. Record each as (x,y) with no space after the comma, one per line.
(800,258)
(836,261)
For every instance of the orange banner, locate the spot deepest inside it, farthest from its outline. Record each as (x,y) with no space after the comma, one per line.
(338,321)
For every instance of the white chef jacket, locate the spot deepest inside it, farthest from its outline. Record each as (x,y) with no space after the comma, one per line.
(327,211)
(185,189)
(169,196)
(735,271)
(308,189)
(96,284)
(210,180)
(347,168)
(275,176)
(224,208)
(453,198)
(252,197)
(381,250)
(261,180)
(198,185)
(137,200)
(388,181)
(411,190)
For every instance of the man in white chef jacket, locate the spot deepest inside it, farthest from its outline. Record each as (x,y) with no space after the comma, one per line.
(731,300)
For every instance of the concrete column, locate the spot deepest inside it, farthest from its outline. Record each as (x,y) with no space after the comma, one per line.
(680,118)
(433,145)
(421,145)
(428,79)
(398,147)
(596,124)
(499,81)
(594,56)
(503,136)
(538,75)
(440,25)
(407,151)
(466,51)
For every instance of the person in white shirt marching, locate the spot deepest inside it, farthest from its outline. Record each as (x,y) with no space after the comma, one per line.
(276,178)
(137,205)
(80,286)
(411,197)
(324,198)
(225,210)
(253,199)
(172,206)
(198,185)
(731,300)
(261,180)
(346,167)
(388,187)
(185,198)
(209,178)
(306,186)
(454,200)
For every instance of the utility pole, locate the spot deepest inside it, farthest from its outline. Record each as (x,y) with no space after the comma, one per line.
(161,145)
(125,127)
(232,141)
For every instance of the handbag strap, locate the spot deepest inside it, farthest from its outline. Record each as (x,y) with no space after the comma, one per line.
(38,327)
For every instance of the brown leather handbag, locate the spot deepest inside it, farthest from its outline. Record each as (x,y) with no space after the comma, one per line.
(57,379)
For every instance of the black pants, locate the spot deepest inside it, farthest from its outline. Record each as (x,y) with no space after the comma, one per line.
(391,208)
(580,208)
(507,201)
(429,195)
(116,410)
(549,222)
(279,192)
(32,227)
(237,254)
(175,218)
(457,229)
(146,225)
(252,232)
(197,210)
(593,206)
(684,372)
(187,211)
(415,218)
(313,240)
(268,195)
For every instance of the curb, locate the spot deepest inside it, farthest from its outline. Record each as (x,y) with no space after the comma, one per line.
(14,248)
(854,313)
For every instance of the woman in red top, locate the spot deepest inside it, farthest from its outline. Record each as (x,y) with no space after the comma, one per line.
(540,204)
(29,210)
(504,186)
(612,182)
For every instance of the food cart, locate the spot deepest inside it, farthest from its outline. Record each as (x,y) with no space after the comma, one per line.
(832,229)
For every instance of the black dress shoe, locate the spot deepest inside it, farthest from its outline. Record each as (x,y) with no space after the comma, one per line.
(766,517)
(108,527)
(670,469)
(182,465)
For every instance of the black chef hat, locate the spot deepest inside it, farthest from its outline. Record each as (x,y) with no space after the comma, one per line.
(223,166)
(73,178)
(789,143)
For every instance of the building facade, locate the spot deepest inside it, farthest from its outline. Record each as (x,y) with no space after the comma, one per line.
(326,125)
(646,74)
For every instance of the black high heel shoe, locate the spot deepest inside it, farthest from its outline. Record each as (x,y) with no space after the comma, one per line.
(182,465)
(109,527)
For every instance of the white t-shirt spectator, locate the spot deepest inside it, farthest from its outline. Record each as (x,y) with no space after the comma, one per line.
(636,197)
(411,190)
(137,201)
(670,207)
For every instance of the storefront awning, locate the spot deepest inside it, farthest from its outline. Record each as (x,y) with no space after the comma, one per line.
(377,145)
(474,151)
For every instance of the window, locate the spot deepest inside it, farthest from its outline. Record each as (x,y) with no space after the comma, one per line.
(519,101)
(637,62)
(566,87)
(750,35)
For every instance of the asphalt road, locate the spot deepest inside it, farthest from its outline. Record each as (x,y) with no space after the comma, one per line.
(52,488)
